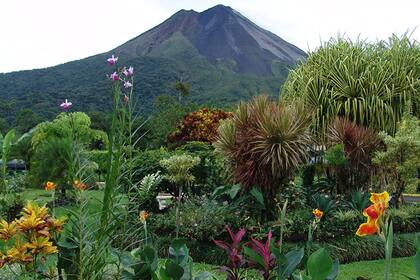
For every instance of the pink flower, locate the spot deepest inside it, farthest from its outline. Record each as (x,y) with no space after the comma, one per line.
(66,105)
(112,60)
(128,72)
(114,76)
(127,84)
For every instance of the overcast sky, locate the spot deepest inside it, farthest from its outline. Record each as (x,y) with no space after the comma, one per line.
(41,33)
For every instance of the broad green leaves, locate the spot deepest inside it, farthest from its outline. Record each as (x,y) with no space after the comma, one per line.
(5,145)
(319,265)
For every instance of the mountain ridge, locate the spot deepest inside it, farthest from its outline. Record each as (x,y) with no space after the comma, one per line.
(222,54)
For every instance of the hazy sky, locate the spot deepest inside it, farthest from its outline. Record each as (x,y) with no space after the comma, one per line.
(41,33)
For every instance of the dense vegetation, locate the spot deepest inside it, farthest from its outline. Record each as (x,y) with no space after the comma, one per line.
(259,189)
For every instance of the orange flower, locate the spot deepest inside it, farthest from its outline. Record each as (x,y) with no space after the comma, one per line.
(79,185)
(374,213)
(372,225)
(317,213)
(50,186)
(143,216)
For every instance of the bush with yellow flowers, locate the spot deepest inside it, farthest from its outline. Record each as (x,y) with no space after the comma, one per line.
(29,240)
(200,126)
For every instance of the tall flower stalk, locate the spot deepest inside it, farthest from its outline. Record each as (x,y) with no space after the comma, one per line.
(311,230)
(379,222)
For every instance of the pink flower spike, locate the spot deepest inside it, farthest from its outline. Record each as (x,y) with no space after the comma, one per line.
(127,84)
(114,76)
(112,60)
(128,72)
(66,105)
(131,70)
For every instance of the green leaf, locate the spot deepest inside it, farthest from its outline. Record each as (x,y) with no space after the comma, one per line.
(178,252)
(254,256)
(300,277)
(417,264)
(319,264)
(234,190)
(389,240)
(205,275)
(173,270)
(67,244)
(258,196)
(334,272)
(293,258)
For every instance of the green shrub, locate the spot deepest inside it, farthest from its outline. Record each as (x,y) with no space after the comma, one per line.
(352,249)
(209,173)
(17,182)
(202,219)
(212,170)
(295,196)
(343,223)
(324,202)
(359,200)
(11,204)
(147,162)
(335,155)
(100,158)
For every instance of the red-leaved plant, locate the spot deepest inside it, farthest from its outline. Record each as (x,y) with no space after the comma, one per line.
(260,255)
(234,251)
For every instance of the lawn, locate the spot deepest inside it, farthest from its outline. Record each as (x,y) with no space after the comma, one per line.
(41,197)
(372,270)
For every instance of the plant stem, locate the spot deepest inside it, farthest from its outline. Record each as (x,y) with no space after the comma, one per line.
(177,211)
(388,232)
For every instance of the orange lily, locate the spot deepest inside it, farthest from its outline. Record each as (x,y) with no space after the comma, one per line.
(79,185)
(50,186)
(317,213)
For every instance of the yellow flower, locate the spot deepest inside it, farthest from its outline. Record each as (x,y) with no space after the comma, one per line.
(8,230)
(32,222)
(33,209)
(50,186)
(380,200)
(143,216)
(41,245)
(79,185)
(18,253)
(317,213)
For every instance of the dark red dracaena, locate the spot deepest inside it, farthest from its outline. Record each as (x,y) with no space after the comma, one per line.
(234,251)
(264,251)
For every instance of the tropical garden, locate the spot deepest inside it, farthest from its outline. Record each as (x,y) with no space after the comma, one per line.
(320,182)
